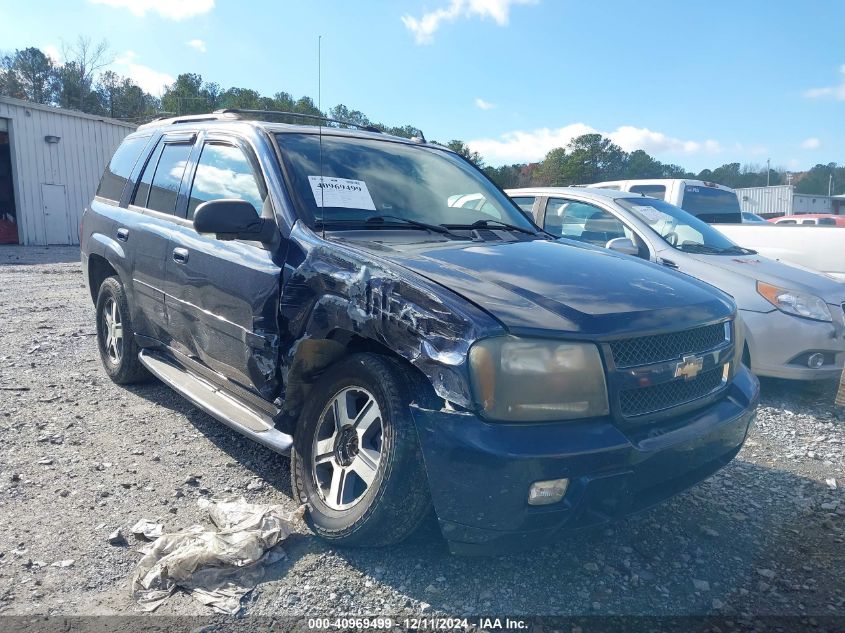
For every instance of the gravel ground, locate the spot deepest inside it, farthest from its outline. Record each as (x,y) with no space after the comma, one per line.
(81,457)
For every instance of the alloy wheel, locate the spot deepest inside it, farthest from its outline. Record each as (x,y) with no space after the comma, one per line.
(347,448)
(113,330)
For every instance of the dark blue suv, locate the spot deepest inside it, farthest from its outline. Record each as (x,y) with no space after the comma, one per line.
(379,310)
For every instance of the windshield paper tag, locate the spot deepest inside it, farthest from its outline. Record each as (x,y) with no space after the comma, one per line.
(341,192)
(649,213)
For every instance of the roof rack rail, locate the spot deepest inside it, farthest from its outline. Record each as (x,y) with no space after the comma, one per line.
(185,118)
(315,117)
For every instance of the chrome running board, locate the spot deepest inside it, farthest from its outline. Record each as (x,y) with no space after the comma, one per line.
(240,417)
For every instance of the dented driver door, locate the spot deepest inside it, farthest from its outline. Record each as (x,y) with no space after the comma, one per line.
(222,296)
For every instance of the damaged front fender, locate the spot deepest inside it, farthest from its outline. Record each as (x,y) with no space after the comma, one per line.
(330,288)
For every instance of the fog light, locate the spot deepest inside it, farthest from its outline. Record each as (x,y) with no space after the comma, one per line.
(815,361)
(542,493)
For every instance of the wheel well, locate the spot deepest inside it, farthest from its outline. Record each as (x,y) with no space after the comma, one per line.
(314,356)
(98,269)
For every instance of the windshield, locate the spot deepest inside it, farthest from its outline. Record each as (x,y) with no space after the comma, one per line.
(711,204)
(679,229)
(367,178)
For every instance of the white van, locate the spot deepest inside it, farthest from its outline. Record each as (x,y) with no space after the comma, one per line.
(713,203)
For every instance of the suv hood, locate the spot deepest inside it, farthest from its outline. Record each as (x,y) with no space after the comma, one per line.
(779,274)
(540,287)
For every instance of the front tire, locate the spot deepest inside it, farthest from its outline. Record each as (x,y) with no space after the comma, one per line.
(115,337)
(356,460)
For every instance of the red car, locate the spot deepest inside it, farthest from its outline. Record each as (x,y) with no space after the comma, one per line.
(811,219)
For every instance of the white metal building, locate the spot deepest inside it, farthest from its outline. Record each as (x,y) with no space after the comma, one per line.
(782,200)
(51,161)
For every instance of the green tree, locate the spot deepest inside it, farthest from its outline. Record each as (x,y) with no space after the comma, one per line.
(549,173)
(75,78)
(592,158)
(818,179)
(463,149)
(642,165)
(28,74)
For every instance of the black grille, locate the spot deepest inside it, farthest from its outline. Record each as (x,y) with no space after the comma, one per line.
(645,350)
(634,402)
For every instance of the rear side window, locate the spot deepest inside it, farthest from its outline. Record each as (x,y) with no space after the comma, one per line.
(224,171)
(119,168)
(652,191)
(159,184)
(787,222)
(827,221)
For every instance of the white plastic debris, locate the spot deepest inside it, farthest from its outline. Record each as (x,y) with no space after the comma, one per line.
(148,529)
(831,483)
(218,567)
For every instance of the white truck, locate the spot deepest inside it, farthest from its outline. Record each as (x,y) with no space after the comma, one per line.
(711,202)
(818,248)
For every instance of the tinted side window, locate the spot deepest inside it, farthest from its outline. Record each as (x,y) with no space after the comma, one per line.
(787,222)
(652,191)
(525,203)
(142,191)
(827,221)
(119,168)
(168,177)
(224,171)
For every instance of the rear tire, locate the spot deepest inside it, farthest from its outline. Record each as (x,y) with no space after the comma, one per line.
(356,460)
(115,336)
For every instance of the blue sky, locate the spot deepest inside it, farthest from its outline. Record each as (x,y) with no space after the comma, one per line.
(698,84)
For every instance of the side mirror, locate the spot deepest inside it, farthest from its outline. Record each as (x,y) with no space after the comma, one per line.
(623,245)
(230,219)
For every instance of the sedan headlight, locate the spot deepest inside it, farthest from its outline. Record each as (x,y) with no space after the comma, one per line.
(530,380)
(793,302)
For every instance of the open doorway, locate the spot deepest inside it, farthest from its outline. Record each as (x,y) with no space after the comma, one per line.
(8,213)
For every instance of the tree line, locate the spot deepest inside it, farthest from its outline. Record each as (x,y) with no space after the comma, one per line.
(83,81)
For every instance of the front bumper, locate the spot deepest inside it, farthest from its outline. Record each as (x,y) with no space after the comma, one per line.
(777,340)
(479,472)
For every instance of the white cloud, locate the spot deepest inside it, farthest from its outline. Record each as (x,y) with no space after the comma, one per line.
(52,51)
(198,45)
(837,91)
(484,105)
(520,146)
(150,80)
(630,138)
(424,27)
(811,143)
(171,9)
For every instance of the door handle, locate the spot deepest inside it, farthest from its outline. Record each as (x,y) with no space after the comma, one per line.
(668,263)
(123,234)
(180,255)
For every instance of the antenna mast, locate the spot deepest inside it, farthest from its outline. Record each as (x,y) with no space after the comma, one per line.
(320,130)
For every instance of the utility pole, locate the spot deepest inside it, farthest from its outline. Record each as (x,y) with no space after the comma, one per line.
(768,170)
(830,185)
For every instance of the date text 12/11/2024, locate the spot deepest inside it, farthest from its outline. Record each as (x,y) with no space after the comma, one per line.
(418,623)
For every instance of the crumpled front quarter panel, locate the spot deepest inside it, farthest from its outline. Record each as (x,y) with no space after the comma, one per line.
(331,288)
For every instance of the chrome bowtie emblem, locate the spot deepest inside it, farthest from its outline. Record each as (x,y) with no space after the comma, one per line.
(689,367)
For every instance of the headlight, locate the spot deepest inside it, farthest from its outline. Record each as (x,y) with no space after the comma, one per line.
(797,303)
(529,380)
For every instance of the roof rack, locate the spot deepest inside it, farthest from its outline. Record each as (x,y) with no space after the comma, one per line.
(278,113)
(239,113)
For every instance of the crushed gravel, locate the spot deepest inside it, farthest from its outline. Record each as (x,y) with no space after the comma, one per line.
(83,460)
